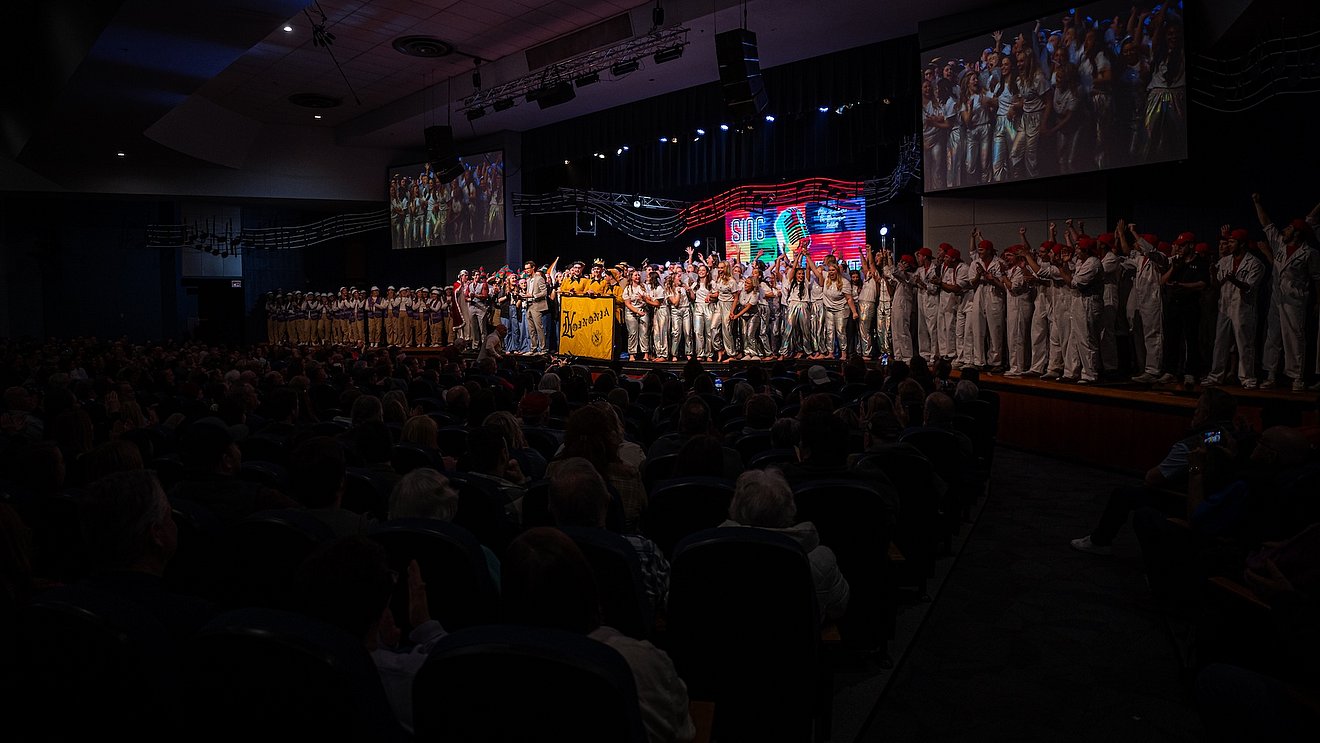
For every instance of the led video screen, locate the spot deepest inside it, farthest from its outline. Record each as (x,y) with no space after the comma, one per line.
(1095,87)
(425,212)
(816,226)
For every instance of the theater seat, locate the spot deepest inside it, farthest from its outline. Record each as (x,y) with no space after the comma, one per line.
(744,632)
(681,506)
(282,676)
(507,683)
(459,588)
(618,572)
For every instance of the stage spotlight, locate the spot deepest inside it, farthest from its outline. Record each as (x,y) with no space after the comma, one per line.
(884,231)
(625,148)
(503,104)
(637,203)
(696,139)
(824,109)
(668,55)
(623,68)
(839,110)
(770,118)
(619,151)
(724,127)
(664,139)
(701,132)
(566,162)
(475,113)
(587,79)
(696,243)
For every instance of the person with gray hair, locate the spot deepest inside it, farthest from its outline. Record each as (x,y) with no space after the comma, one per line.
(423,493)
(764,500)
(965,391)
(549,382)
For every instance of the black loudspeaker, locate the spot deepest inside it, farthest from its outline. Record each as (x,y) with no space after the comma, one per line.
(440,152)
(740,73)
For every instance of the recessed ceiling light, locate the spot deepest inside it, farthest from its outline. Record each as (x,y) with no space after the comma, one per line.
(316,116)
(724,127)
(769,118)
(121,153)
(701,132)
(288,29)
(566,162)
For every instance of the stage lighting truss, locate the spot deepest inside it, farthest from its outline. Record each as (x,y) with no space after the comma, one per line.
(583,66)
(656,220)
(266,238)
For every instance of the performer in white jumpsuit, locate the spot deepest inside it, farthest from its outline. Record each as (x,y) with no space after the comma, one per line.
(956,298)
(1238,275)
(1046,328)
(926,285)
(1086,277)
(1145,305)
(903,284)
(1018,307)
(1296,283)
(987,318)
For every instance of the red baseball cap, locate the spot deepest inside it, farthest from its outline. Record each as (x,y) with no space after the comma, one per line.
(985,245)
(1184,238)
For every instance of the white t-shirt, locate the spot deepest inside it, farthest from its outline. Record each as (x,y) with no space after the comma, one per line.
(836,294)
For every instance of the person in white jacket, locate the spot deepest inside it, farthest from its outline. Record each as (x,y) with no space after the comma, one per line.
(1086,278)
(1296,283)
(763,499)
(929,314)
(1018,286)
(903,285)
(987,315)
(1145,305)
(1238,275)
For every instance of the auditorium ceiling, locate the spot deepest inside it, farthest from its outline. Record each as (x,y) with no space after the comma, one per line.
(206,82)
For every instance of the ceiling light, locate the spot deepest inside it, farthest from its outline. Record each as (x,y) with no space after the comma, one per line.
(316,116)
(839,110)
(619,151)
(566,162)
(885,101)
(625,148)
(121,153)
(824,109)
(884,231)
(623,68)
(701,132)
(768,117)
(696,243)
(696,139)
(724,127)
(288,29)
(637,203)
(504,104)
(664,139)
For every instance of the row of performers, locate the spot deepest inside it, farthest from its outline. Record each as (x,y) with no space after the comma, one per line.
(1049,310)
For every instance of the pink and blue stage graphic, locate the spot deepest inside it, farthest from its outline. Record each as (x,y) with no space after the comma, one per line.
(815,226)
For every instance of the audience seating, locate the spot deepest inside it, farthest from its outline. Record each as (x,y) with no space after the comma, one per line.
(919,528)
(262,552)
(282,676)
(618,572)
(507,683)
(405,458)
(750,445)
(453,441)
(91,662)
(853,522)
(772,456)
(682,506)
(364,493)
(545,441)
(744,633)
(459,587)
(262,449)
(656,469)
(266,473)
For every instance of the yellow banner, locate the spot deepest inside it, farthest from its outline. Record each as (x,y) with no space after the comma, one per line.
(586,327)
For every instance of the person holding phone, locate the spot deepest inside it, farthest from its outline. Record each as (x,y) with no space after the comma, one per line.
(1213,421)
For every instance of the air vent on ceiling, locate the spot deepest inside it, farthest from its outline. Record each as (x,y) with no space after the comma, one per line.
(608,31)
(423,46)
(314,100)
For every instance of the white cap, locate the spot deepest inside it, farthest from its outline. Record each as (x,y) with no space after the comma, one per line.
(375,288)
